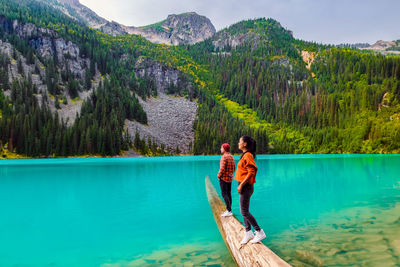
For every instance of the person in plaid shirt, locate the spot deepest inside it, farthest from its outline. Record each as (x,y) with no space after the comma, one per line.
(225,174)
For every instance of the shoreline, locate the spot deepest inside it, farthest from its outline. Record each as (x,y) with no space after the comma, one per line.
(131,153)
(272,156)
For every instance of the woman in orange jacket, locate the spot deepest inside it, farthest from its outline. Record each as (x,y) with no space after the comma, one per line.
(246,176)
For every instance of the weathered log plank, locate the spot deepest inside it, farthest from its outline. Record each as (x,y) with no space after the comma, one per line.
(232,231)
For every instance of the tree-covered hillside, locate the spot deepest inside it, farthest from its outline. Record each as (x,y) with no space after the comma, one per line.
(252,78)
(348,102)
(27,125)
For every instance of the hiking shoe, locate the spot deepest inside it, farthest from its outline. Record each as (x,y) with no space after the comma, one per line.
(227,214)
(260,235)
(247,237)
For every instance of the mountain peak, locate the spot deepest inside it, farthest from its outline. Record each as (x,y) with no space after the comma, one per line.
(252,32)
(177,29)
(74,9)
(184,14)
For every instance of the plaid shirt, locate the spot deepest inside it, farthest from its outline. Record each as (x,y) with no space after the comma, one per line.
(227,167)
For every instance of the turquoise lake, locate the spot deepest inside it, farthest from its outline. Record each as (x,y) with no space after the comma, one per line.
(331,210)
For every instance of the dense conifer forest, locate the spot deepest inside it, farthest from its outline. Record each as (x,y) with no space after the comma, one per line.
(345,101)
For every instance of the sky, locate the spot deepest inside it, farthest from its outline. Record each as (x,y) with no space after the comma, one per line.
(323,21)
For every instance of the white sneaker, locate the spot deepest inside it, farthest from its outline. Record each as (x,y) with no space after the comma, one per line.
(227,214)
(247,237)
(260,235)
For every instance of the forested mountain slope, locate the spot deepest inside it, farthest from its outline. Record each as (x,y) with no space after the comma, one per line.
(346,103)
(251,78)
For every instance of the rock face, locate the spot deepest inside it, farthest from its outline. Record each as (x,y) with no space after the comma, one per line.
(113,28)
(186,28)
(67,111)
(384,47)
(162,75)
(308,58)
(48,45)
(75,9)
(224,39)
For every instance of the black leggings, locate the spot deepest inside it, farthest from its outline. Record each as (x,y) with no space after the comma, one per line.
(226,194)
(247,191)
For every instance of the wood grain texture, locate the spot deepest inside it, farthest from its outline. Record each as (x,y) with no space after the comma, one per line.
(232,232)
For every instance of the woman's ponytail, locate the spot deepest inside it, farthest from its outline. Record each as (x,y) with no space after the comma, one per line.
(251,144)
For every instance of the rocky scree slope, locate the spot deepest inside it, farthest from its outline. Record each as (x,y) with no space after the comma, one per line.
(170,117)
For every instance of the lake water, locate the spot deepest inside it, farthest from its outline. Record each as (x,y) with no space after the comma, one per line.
(319,210)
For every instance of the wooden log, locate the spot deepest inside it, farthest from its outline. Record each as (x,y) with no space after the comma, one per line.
(232,232)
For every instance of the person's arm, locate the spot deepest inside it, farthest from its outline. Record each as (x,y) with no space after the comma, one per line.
(222,166)
(251,172)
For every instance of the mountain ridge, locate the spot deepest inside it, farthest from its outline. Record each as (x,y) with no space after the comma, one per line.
(176,29)
(384,47)
(380,46)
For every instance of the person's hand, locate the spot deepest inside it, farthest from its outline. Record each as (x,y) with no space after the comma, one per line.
(239,189)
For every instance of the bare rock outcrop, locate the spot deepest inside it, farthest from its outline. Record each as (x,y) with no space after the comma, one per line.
(186,28)
(384,47)
(308,58)
(66,111)
(226,40)
(48,44)
(76,10)
(163,75)
(114,28)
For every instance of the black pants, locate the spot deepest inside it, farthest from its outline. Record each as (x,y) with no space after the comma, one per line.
(226,194)
(247,191)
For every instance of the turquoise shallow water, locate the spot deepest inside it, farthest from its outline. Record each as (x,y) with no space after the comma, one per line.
(316,209)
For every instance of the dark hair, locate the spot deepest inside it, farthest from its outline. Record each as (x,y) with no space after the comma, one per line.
(251,144)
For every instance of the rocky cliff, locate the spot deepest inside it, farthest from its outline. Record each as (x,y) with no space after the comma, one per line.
(75,9)
(384,47)
(226,41)
(186,28)
(114,28)
(48,44)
